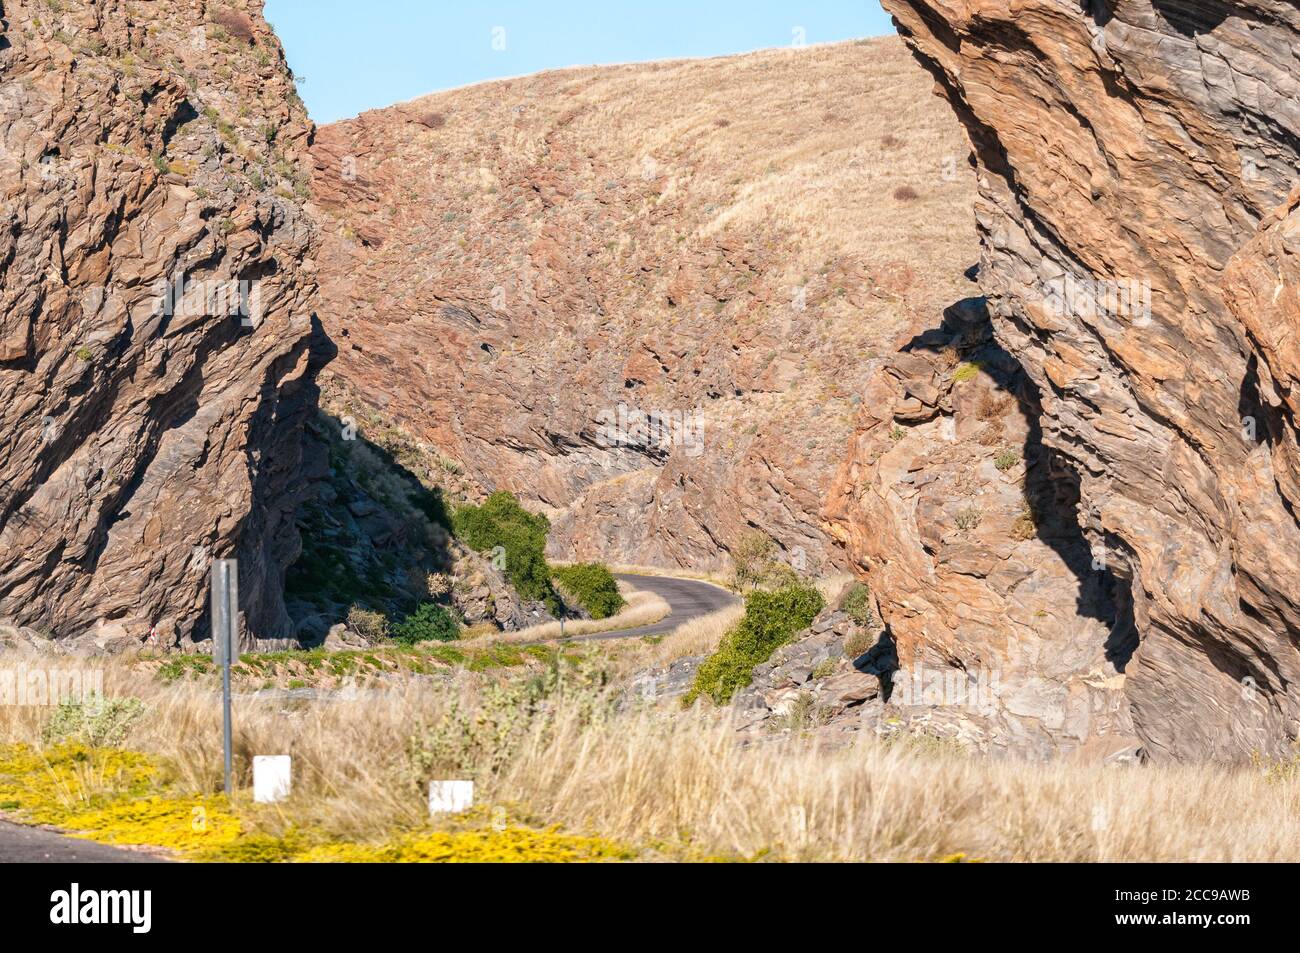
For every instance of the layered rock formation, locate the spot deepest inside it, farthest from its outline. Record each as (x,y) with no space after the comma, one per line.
(145,430)
(1134,161)
(1008,637)
(514,271)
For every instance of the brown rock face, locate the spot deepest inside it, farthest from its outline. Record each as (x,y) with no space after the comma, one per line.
(1132,158)
(145,432)
(516,269)
(966,526)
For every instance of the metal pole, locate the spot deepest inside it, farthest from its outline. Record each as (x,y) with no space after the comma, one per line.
(225,620)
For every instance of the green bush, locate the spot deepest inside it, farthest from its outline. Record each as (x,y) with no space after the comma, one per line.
(501,521)
(770,620)
(858,643)
(428,623)
(857,604)
(594,586)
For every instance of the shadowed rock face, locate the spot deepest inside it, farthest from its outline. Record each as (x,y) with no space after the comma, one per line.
(1130,146)
(141,440)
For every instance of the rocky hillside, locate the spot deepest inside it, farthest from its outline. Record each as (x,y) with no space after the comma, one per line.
(146,430)
(1139,220)
(513,271)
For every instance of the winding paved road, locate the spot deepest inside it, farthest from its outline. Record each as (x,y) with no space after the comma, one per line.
(687,598)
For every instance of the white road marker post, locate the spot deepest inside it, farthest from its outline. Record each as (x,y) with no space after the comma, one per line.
(272,777)
(450,797)
(225,619)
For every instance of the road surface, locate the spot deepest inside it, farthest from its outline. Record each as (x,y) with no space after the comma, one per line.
(687,599)
(31,845)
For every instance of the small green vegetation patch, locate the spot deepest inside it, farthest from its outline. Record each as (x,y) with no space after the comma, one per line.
(428,623)
(594,586)
(770,620)
(97,722)
(857,604)
(501,522)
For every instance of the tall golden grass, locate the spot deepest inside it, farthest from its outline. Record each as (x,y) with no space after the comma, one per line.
(699,636)
(683,784)
(643,608)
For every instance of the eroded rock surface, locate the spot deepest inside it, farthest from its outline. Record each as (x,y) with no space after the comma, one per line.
(139,142)
(1135,160)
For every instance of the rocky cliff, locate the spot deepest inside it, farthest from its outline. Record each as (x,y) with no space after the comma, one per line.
(966,525)
(155,315)
(646,299)
(1136,164)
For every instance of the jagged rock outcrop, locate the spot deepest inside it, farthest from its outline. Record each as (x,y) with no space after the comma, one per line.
(1134,163)
(145,431)
(1007,635)
(834,676)
(509,264)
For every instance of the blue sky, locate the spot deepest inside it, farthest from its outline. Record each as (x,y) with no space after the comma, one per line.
(358,56)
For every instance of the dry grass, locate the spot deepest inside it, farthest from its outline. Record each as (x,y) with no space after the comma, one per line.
(809,141)
(875,801)
(643,608)
(700,636)
(683,785)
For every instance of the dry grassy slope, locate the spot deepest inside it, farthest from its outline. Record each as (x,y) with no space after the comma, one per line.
(504,261)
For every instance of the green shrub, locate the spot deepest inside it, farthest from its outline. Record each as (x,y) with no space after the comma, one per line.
(757,564)
(428,623)
(969,518)
(594,586)
(770,620)
(857,604)
(967,372)
(823,669)
(501,521)
(858,643)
